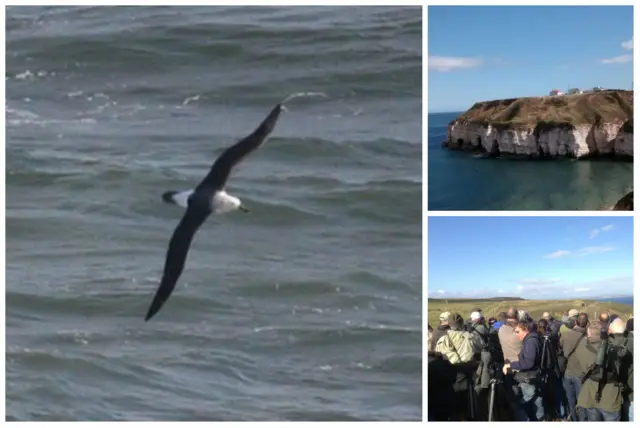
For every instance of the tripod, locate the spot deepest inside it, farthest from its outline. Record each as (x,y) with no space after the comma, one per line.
(492,396)
(549,363)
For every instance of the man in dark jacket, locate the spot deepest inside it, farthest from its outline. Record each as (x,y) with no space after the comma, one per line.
(527,365)
(572,380)
(440,331)
(442,377)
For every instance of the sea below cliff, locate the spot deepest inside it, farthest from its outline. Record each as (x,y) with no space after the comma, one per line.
(459,180)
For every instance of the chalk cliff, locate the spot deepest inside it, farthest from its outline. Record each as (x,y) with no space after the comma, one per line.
(578,126)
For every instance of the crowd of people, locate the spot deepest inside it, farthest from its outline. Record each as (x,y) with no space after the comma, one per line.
(517,368)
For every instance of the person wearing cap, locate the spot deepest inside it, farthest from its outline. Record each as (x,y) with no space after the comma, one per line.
(440,331)
(479,333)
(479,330)
(480,342)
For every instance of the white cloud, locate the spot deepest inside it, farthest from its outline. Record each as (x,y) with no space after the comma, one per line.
(441,291)
(621,59)
(557,254)
(585,251)
(593,250)
(596,232)
(628,45)
(448,63)
(581,289)
(501,291)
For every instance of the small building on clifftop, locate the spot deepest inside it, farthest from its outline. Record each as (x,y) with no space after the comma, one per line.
(556,92)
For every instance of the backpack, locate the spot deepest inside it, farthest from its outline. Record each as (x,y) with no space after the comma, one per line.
(615,368)
(478,340)
(493,344)
(456,346)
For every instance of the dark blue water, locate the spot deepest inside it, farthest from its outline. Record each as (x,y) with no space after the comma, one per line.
(460,181)
(626,300)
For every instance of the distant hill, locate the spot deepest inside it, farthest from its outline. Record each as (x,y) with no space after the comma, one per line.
(486,299)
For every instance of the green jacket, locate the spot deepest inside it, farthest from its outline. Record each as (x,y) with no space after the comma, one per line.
(611,399)
(569,341)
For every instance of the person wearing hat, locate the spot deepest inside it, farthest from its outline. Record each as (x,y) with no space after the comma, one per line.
(479,331)
(440,331)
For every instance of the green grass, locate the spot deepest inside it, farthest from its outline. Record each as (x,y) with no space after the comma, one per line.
(492,307)
(542,113)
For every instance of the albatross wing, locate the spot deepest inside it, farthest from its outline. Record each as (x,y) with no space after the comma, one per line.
(176,256)
(221,168)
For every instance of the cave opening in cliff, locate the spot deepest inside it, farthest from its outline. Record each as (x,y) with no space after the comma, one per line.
(495,148)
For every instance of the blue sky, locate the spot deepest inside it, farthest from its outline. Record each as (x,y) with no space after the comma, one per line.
(480,53)
(530,257)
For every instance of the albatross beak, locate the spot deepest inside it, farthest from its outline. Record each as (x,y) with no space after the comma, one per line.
(243,209)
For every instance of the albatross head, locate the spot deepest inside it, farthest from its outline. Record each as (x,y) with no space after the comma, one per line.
(224,202)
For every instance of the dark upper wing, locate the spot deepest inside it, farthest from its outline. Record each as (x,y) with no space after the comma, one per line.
(176,256)
(220,170)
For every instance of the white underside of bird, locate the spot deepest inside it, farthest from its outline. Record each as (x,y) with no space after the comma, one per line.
(221,203)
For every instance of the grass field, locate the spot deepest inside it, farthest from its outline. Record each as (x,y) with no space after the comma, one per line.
(492,307)
(554,111)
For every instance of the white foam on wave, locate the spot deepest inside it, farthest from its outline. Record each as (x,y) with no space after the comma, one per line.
(303,95)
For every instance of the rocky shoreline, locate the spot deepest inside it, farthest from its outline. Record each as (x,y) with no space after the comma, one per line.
(576,126)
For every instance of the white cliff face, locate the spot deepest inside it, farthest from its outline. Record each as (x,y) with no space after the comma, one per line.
(606,139)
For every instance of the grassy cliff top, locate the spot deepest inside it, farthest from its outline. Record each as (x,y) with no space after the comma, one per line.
(554,111)
(492,307)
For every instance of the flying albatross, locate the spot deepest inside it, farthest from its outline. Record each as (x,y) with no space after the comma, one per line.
(209,197)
